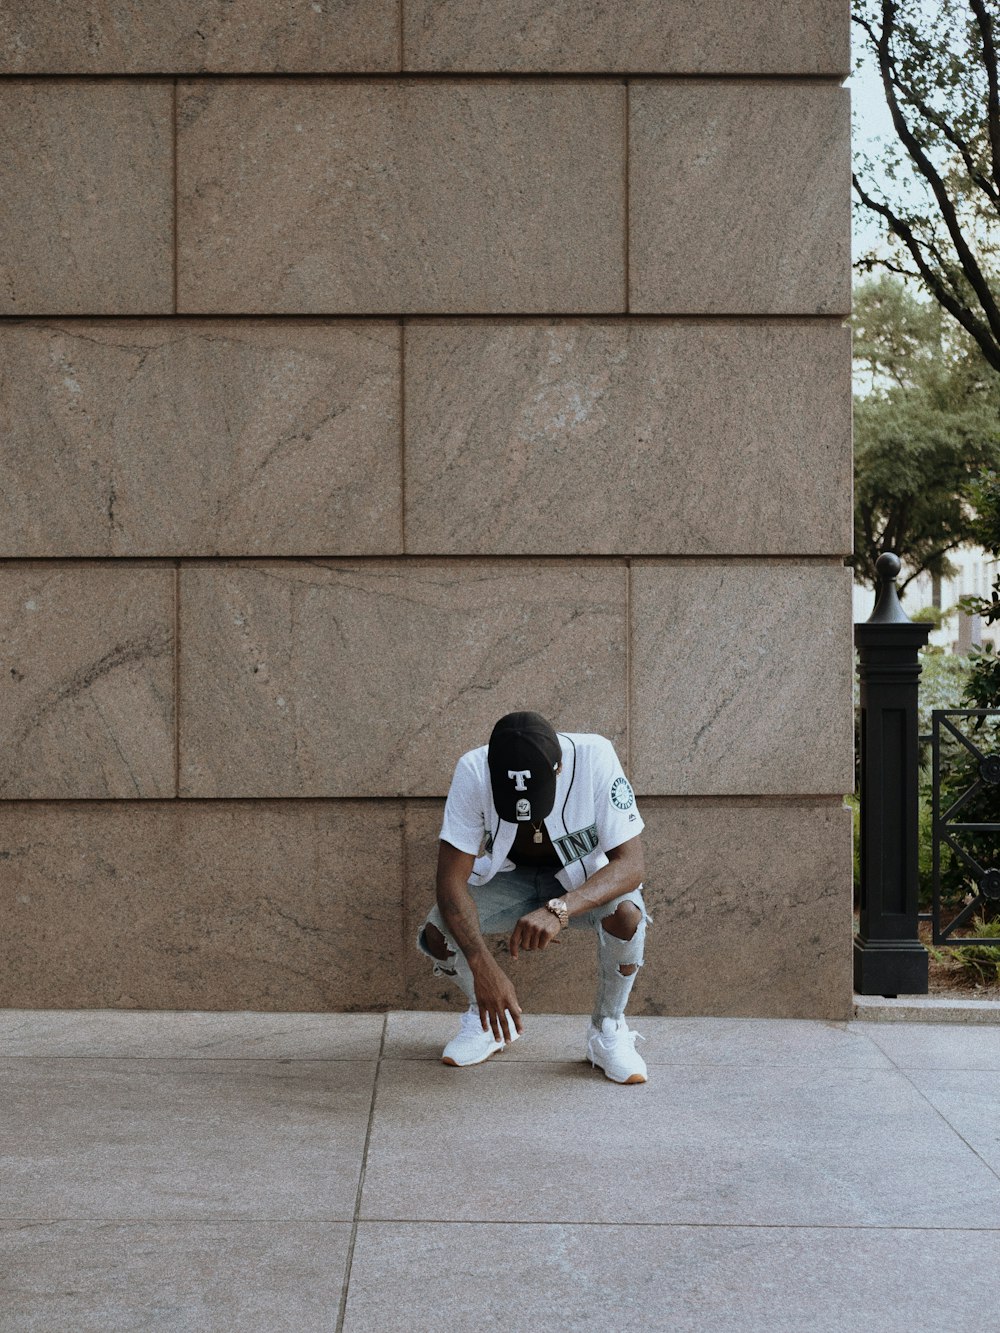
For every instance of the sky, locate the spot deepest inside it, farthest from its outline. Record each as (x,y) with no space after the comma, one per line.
(871,126)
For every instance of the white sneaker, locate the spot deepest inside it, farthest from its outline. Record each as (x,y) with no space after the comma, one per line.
(612,1047)
(471,1045)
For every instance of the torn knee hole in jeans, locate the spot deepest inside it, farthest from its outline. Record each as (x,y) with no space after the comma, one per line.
(628,969)
(441,968)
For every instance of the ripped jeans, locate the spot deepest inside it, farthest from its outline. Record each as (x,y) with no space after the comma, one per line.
(508,896)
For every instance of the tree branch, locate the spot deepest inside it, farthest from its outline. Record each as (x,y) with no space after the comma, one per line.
(925,563)
(967,259)
(980,331)
(936,118)
(993,100)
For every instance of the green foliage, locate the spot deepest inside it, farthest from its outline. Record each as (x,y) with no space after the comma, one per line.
(929,615)
(960,777)
(942,680)
(982,689)
(979,963)
(924,433)
(925,850)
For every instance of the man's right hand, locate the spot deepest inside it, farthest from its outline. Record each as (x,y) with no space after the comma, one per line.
(495,993)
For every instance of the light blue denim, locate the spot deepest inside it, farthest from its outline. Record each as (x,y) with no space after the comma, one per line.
(501,903)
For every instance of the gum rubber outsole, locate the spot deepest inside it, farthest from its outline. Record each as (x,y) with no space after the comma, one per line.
(446,1060)
(632,1078)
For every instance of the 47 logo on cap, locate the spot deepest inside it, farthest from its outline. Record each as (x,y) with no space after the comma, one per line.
(523,808)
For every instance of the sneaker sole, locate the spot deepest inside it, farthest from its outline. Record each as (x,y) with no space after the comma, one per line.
(447,1060)
(632,1078)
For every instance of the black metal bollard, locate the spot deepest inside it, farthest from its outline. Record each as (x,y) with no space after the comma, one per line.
(888,956)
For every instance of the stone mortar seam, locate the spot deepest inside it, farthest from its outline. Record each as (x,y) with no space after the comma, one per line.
(422,75)
(404,894)
(174,169)
(628,279)
(402,436)
(628,662)
(177,679)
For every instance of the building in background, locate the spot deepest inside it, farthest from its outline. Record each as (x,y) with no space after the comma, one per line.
(976,573)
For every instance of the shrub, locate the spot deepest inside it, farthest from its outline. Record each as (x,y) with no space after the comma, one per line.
(980,963)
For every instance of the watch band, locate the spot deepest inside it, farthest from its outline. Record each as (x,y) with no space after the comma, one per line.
(557,906)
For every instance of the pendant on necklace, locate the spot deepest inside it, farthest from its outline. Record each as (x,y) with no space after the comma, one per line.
(538,835)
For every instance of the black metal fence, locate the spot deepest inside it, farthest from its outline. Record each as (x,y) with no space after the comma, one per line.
(889,958)
(977,776)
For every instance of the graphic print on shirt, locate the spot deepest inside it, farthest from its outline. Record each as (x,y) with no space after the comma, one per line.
(622,795)
(575,846)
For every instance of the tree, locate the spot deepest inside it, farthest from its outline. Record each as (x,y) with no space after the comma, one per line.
(938,65)
(962,776)
(982,690)
(927,426)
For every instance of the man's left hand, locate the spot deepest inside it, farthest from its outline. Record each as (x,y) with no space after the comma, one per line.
(534,931)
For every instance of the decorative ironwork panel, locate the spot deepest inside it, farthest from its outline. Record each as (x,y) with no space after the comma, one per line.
(966,778)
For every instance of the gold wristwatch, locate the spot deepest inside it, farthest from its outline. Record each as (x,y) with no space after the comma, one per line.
(559,908)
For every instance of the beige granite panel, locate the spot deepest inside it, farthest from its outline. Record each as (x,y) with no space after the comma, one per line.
(739,197)
(682,37)
(190,36)
(221,905)
(86,681)
(180,1140)
(618,436)
(375,197)
(741,677)
(754,1145)
(227,1276)
(86,173)
(326,678)
(190,1034)
(752,910)
(751,916)
(676,1278)
(200,437)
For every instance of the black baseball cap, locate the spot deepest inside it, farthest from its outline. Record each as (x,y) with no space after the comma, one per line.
(523,755)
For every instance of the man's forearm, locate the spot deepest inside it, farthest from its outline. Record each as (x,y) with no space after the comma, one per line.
(611,881)
(458,909)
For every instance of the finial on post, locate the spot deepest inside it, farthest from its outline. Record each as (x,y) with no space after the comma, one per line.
(888,610)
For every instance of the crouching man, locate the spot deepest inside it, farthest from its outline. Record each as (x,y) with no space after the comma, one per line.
(540,835)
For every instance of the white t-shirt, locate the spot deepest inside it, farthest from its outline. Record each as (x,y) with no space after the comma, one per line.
(594,811)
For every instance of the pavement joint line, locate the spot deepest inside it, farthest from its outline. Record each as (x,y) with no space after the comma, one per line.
(345,1287)
(22,1223)
(660,1226)
(819,1067)
(207,1059)
(937,1110)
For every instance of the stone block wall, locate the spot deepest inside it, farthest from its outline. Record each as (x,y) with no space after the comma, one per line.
(370,368)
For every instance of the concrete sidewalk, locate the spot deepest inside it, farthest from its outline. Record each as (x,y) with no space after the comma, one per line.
(315,1172)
